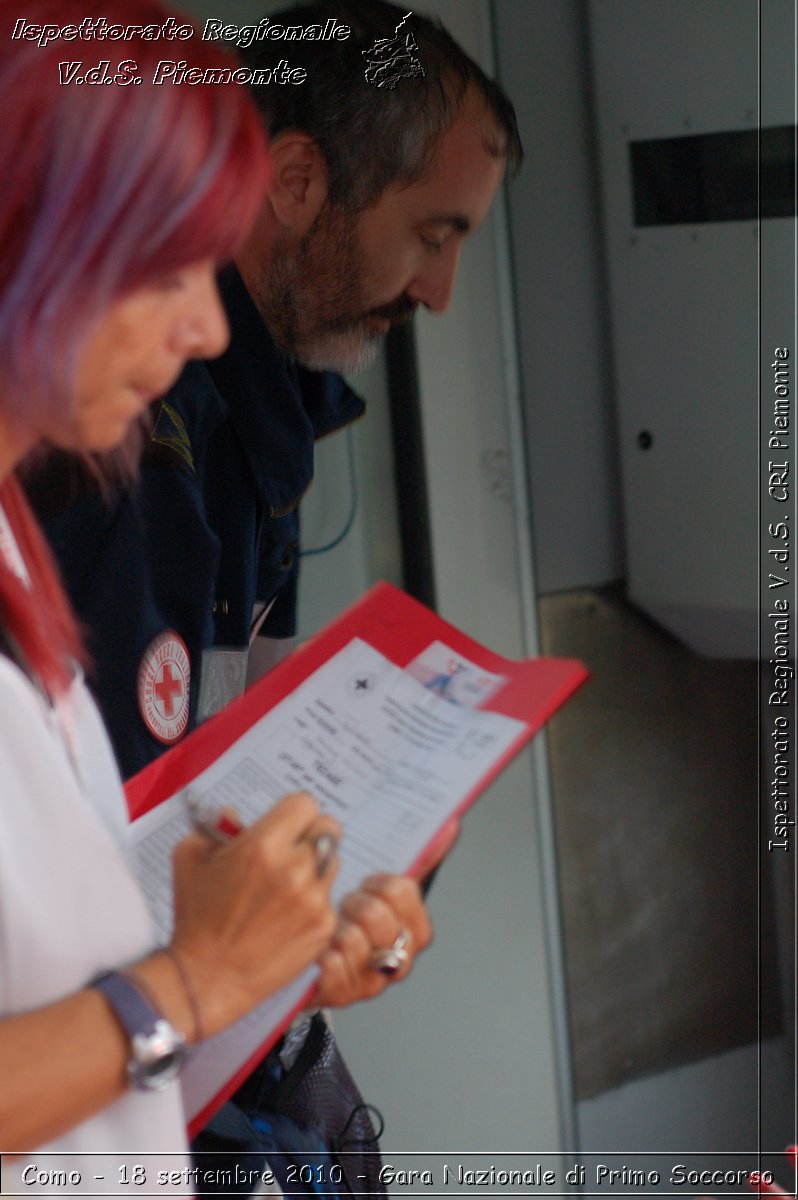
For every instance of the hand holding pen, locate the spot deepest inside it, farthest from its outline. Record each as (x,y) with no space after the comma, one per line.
(252,905)
(221,825)
(383,925)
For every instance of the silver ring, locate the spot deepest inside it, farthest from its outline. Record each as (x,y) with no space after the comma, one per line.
(324,847)
(388,962)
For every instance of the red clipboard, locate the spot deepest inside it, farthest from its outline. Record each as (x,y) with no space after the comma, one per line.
(401,629)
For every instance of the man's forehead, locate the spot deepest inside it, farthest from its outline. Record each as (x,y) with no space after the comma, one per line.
(462,178)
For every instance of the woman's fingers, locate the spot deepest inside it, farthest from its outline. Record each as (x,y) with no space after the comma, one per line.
(290,819)
(403,896)
(384,926)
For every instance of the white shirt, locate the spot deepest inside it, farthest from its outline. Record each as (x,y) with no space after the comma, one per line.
(70,907)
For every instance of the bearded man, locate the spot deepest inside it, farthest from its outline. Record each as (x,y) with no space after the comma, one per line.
(374,190)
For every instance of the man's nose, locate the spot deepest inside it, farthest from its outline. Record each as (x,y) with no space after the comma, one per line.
(433,285)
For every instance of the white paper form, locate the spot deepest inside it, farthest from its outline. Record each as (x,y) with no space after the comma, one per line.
(382,752)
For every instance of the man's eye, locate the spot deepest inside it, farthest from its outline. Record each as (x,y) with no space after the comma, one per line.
(432,246)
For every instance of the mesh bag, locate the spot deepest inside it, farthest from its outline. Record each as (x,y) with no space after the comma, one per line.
(309,1124)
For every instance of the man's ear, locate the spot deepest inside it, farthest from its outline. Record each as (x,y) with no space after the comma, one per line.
(298,187)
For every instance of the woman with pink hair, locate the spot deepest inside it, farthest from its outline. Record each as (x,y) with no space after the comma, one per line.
(118,203)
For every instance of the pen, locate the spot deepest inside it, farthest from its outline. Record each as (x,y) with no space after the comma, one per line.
(215,824)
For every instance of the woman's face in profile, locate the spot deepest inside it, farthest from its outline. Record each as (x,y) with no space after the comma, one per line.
(136,351)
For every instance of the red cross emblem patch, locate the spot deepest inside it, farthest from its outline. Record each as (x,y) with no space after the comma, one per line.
(164,680)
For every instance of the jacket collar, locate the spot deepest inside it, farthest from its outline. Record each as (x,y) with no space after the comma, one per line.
(276,409)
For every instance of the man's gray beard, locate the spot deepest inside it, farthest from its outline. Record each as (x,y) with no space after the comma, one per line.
(348,352)
(326,266)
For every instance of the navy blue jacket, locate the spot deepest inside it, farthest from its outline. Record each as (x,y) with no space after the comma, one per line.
(210,527)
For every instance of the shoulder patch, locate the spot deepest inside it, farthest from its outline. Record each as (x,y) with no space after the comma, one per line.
(164,681)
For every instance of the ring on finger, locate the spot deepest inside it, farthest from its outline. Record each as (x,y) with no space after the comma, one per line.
(324,847)
(389,961)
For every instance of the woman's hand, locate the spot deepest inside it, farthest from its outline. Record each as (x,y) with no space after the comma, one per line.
(385,908)
(252,913)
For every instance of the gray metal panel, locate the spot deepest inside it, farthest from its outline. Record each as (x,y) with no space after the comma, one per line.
(684,315)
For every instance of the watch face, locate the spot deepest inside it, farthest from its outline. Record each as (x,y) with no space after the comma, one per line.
(157,1057)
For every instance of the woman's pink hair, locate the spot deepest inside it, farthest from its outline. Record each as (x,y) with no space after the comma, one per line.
(105,188)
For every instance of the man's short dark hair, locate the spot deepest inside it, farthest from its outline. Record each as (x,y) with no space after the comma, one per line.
(370,135)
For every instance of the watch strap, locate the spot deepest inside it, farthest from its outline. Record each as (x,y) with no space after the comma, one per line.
(157,1050)
(134,1011)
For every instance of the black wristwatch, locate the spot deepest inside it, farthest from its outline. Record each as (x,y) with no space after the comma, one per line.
(157,1050)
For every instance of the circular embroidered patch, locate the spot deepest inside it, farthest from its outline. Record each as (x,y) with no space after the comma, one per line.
(164,680)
